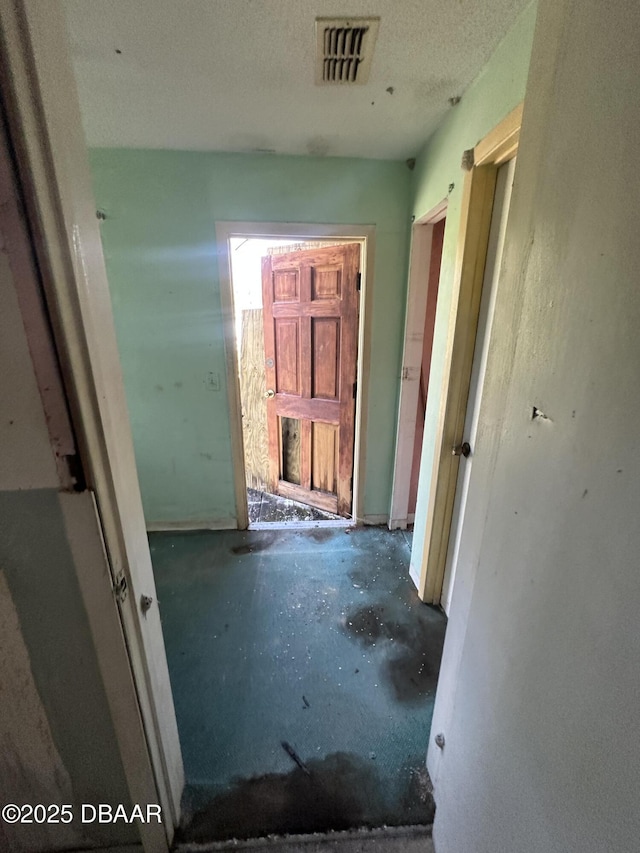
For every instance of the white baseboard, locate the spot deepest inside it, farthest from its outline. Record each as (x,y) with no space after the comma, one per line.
(413,574)
(398,523)
(177,526)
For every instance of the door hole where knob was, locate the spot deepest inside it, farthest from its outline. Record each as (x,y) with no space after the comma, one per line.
(145,603)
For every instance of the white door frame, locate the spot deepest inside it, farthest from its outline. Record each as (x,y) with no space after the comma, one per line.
(420,259)
(43,114)
(363,234)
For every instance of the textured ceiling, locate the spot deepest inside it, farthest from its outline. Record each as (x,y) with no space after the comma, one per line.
(238,75)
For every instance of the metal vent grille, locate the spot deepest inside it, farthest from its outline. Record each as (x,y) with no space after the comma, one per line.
(344,49)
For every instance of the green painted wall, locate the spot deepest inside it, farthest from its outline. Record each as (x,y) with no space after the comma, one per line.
(161,255)
(498,89)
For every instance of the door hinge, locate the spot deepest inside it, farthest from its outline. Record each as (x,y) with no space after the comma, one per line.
(355,389)
(120,589)
(359,281)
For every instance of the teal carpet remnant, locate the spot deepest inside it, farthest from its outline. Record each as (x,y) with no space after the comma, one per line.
(303,668)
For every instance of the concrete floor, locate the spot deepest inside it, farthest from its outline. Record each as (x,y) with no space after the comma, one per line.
(303,669)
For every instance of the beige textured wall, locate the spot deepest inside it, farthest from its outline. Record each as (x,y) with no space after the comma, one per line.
(540,710)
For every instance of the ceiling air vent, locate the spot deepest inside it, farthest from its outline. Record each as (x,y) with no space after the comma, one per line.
(344,49)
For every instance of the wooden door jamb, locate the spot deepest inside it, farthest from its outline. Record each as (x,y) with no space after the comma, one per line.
(483,161)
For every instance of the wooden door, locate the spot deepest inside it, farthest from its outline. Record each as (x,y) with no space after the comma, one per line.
(310,305)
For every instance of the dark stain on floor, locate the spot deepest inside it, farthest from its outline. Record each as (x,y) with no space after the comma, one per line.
(289,646)
(321,534)
(413,648)
(411,675)
(260,541)
(341,791)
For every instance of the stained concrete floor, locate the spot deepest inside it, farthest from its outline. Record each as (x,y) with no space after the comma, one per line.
(303,669)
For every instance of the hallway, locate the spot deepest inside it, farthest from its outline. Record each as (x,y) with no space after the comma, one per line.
(303,668)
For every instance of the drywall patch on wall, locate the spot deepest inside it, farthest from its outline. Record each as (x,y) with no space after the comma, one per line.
(439,174)
(159,241)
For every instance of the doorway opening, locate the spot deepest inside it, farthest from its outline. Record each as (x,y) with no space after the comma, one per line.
(297,325)
(422,300)
(288,363)
(452,447)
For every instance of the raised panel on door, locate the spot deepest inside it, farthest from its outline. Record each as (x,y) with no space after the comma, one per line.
(326,283)
(286,286)
(325,360)
(287,355)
